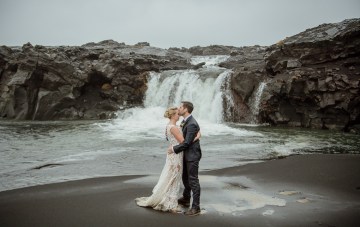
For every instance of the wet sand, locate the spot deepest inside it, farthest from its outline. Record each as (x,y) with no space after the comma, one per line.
(303,190)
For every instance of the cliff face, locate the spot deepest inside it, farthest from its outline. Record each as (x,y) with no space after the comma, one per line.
(88,82)
(316,76)
(312,79)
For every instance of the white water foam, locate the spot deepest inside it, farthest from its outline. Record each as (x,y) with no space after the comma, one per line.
(212,60)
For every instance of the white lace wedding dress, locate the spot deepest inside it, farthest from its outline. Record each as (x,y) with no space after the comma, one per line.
(165,193)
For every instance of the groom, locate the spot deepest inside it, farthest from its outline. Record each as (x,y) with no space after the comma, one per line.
(192,156)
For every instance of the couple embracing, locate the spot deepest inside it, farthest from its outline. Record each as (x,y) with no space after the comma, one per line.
(182,163)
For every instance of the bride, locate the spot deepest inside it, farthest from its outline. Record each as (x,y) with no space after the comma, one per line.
(165,193)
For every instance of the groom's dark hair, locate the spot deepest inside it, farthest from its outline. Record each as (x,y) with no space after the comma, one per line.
(188,105)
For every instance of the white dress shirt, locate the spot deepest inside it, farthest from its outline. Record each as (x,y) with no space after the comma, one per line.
(187,117)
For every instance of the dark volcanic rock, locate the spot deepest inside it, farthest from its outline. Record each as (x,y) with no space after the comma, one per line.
(209,50)
(315,78)
(312,79)
(88,82)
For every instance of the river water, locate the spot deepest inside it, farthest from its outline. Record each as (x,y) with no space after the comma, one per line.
(41,152)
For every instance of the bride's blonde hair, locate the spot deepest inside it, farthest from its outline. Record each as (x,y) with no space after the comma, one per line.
(170,112)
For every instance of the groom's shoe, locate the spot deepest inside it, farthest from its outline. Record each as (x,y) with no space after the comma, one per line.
(193,212)
(184,202)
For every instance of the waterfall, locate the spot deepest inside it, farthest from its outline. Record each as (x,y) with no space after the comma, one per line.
(207,94)
(208,88)
(255,107)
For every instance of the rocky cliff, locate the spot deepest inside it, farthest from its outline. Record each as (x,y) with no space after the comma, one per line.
(317,75)
(312,78)
(88,82)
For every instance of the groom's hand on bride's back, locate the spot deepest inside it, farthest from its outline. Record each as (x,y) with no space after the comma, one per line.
(170,150)
(198,136)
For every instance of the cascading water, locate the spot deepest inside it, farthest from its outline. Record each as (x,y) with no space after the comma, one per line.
(209,60)
(255,107)
(207,88)
(207,94)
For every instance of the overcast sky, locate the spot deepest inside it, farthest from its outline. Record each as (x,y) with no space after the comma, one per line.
(165,23)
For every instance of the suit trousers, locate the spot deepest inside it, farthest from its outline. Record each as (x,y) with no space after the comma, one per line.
(191,182)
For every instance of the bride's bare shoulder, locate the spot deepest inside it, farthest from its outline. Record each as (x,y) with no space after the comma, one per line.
(170,126)
(174,128)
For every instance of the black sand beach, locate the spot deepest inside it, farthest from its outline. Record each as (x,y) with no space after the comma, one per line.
(303,190)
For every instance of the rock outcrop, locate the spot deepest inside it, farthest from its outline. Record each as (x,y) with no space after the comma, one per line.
(92,81)
(316,76)
(312,79)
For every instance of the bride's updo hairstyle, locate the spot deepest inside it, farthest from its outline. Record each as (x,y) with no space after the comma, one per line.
(170,112)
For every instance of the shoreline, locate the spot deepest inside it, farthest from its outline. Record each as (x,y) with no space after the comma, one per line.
(300,190)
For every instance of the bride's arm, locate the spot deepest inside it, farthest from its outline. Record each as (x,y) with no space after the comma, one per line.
(198,136)
(177,134)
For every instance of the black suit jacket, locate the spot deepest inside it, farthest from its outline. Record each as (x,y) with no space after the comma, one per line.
(192,150)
